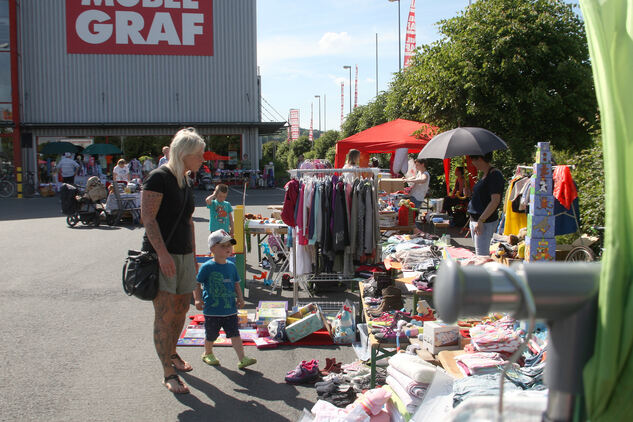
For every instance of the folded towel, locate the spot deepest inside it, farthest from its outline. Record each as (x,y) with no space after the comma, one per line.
(410,403)
(414,367)
(416,389)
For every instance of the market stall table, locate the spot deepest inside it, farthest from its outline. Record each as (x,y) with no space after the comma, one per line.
(382,350)
(262,230)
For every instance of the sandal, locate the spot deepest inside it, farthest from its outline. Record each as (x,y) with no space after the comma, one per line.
(182,388)
(185,367)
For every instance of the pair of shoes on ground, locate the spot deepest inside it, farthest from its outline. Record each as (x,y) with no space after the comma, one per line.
(305,372)
(331,366)
(210,359)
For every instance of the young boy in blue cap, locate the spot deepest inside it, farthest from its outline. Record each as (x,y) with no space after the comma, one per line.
(216,295)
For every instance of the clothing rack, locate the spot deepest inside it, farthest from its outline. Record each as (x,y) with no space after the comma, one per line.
(304,279)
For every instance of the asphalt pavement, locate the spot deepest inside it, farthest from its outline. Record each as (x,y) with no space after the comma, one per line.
(76,348)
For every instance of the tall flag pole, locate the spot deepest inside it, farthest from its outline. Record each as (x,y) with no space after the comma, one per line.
(342,101)
(356,88)
(409,44)
(310,134)
(294,124)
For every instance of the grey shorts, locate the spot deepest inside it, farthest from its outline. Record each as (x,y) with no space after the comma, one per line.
(185,279)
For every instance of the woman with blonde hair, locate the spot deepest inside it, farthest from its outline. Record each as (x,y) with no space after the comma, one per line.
(121,172)
(352,161)
(166,209)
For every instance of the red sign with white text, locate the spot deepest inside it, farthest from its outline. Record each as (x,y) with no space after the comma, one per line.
(154,27)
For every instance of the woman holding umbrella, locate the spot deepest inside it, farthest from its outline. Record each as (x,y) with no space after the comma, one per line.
(484,202)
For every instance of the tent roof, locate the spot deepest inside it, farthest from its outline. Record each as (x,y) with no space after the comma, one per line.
(386,138)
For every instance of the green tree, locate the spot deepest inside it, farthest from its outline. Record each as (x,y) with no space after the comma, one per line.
(324,144)
(351,124)
(517,67)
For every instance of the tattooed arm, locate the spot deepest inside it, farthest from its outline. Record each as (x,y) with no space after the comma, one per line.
(150,203)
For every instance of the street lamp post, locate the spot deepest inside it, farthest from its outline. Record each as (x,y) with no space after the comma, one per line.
(350,86)
(319,97)
(399,36)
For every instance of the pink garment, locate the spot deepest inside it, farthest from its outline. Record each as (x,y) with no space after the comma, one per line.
(300,238)
(474,363)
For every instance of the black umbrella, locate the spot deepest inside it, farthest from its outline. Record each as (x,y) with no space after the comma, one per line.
(104,149)
(59,148)
(462,141)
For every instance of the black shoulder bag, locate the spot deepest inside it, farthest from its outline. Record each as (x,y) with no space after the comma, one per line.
(140,270)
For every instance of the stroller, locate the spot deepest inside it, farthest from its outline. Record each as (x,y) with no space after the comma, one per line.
(86,208)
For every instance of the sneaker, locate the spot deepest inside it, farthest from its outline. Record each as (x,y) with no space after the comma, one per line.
(305,372)
(210,359)
(246,361)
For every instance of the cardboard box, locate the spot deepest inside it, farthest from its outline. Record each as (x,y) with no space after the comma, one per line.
(439,336)
(542,204)
(540,249)
(304,327)
(304,310)
(543,183)
(543,153)
(267,304)
(540,226)
(265,315)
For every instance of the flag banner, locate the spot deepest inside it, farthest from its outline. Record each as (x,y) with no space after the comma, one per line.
(294,124)
(356,89)
(409,45)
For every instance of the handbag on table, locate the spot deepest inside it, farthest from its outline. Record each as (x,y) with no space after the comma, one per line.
(140,270)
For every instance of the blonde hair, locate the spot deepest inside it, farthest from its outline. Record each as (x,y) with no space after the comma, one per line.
(121,161)
(186,141)
(353,157)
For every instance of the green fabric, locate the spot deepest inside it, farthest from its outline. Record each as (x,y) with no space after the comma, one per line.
(608,376)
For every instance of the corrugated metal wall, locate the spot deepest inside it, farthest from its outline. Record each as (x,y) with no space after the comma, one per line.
(57,87)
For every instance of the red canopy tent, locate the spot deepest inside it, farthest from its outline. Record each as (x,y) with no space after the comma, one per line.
(212,156)
(386,138)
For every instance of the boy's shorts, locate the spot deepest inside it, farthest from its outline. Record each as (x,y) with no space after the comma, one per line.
(184,281)
(212,325)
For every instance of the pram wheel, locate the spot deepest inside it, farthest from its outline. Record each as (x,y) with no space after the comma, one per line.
(111,219)
(72,220)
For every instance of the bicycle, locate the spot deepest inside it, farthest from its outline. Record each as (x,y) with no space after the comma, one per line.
(585,253)
(8,186)
(28,184)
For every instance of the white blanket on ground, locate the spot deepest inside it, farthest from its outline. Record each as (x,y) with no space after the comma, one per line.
(414,367)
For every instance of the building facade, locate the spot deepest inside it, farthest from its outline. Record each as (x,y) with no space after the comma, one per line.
(131,67)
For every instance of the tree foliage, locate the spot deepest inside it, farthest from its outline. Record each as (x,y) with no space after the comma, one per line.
(517,67)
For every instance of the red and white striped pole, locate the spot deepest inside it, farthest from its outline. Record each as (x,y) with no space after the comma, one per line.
(342,101)
(356,88)
(310,134)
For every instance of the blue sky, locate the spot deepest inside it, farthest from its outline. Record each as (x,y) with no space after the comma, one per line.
(303,45)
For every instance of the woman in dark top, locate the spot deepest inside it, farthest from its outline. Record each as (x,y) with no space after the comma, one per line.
(460,192)
(167,195)
(484,203)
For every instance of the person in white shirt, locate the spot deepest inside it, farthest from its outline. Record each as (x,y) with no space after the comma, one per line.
(165,157)
(120,172)
(419,183)
(68,168)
